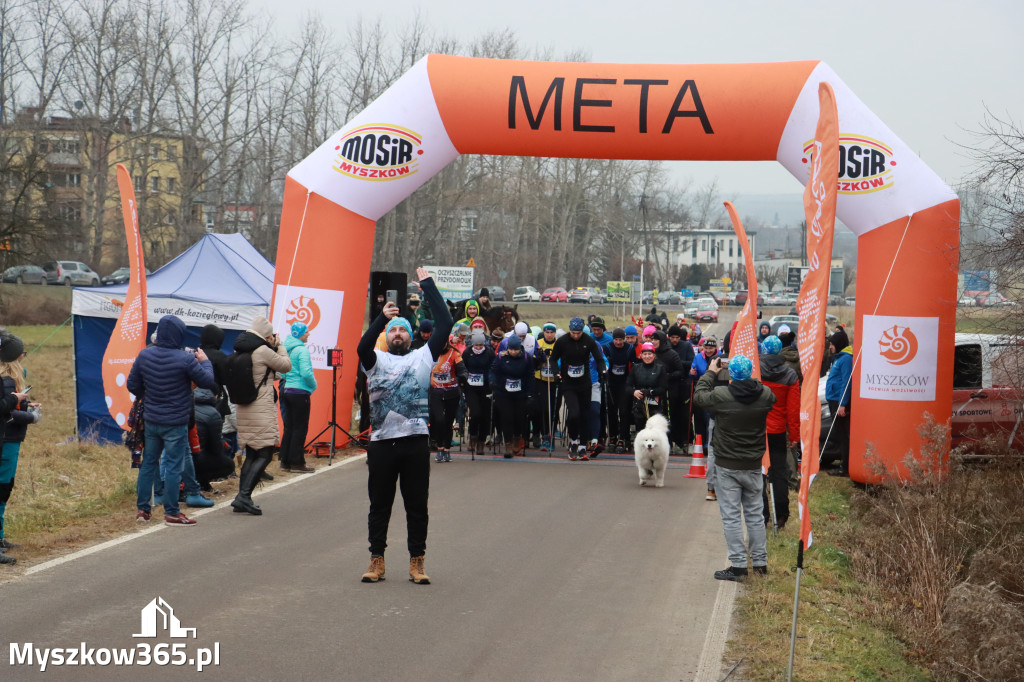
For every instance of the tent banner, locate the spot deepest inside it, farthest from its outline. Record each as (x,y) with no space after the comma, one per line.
(454,283)
(192,313)
(318,309)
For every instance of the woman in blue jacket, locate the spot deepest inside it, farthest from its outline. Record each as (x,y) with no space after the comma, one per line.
(299,385)
(837,393)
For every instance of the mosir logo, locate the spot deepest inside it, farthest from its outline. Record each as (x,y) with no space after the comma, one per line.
(379,152)
(303,309)
(898,345)
(865,164)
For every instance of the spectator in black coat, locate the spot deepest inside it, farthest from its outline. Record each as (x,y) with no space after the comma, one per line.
(212,461)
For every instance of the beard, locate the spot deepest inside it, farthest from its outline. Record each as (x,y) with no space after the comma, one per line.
(399,345)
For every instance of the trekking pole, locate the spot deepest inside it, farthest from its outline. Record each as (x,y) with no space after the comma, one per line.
(547,415)
(771,508)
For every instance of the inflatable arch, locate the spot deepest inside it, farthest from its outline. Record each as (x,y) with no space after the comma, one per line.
(906,218)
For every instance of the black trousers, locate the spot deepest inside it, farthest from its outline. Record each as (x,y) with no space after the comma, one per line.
(479,407)
(840,436)
(443,407)
(577,405)
(778,476)
(680,417)
(296,426)
(512,412)
(616,393)
(404,462)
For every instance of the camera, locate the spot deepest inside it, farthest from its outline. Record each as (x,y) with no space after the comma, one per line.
(189,350)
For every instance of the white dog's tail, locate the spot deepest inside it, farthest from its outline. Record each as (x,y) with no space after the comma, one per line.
(658,422)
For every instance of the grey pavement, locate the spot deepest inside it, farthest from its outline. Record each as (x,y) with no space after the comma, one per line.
(541,570)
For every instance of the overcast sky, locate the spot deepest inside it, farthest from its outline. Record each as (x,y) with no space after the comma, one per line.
(928,69)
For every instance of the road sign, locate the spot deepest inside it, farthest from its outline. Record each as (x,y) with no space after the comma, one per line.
(471,263)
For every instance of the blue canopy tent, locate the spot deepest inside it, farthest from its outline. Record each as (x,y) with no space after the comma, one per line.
(221,279)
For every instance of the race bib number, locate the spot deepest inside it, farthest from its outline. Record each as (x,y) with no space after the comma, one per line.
(442,377)
(547,372)
(513,385)
(476,379)
(618,369)
(576,371)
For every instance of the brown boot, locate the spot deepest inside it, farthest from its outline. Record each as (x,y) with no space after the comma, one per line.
(376,570)
(416,574)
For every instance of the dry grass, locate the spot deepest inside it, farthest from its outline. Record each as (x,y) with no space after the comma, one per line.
(33,304)
(69,493)
(946,554)
(838,635)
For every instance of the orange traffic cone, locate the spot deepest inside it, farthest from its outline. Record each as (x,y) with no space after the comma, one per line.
(697,467)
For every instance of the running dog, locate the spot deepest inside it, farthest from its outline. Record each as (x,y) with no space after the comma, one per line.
(651,448)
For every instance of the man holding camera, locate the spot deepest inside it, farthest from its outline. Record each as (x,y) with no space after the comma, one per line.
(399,451)
(741,412)
(162,376)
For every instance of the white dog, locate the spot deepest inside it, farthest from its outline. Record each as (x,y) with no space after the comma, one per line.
(651,449)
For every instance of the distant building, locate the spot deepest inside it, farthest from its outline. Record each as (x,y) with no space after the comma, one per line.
(66,169)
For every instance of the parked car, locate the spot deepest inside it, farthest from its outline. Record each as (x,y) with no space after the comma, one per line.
(987,400)
(584,295)
(741,297)
(119,276)
(25,274)
(850,300)
(70,272)
(671,298)
(967,301)
(555,295)
(525,294)
(413,288)
(707,311)
(776,321)
(497,293)
(779,299)
(691,307)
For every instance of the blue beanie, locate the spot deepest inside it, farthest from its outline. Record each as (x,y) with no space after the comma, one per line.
(515,343)
(299,328)
(398,321)
(773,345)
(740,368)
(550,327)
(631,330)
(576,324)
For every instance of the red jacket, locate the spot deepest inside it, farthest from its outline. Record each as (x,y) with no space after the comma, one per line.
(782,380)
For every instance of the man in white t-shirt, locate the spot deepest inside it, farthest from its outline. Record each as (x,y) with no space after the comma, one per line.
(399,451)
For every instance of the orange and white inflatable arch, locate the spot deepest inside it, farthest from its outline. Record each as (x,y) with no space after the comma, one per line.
(906,218)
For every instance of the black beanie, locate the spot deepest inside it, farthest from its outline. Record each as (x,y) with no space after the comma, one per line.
(675,330)
(840,340)
(484,292)
(787,339)
(618,333)
(11,348)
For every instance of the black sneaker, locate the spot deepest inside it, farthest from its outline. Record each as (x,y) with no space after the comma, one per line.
(841,471)
(732,573)
(7,560)
(760,570)
(5,545)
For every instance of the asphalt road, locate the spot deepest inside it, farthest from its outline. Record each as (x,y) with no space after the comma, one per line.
(542,570)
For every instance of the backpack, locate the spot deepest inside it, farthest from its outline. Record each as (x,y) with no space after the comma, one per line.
(238,378)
